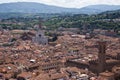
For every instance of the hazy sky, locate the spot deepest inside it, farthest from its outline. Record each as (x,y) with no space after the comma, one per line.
(69,3)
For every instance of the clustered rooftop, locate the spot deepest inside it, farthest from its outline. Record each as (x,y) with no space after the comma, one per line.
(23,56)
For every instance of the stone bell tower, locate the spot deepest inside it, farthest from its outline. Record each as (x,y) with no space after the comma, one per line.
(101,55)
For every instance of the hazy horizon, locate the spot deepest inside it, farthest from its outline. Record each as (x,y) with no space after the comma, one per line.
(69,3)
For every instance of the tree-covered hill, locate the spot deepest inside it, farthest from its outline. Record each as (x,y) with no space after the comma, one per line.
(105,20)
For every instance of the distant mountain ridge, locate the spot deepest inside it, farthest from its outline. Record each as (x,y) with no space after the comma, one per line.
(32,7)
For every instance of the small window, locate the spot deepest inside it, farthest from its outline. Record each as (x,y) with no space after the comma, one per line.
(39,35)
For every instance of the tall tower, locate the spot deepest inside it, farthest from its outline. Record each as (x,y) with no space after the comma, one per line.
(101,55)
(40,37)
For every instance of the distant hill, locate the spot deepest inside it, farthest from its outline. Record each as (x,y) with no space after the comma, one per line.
(31,7)
(102,8)
(110,14)
(108,20)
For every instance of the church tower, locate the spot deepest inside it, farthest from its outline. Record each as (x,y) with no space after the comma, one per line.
(40,37)
(101,55)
